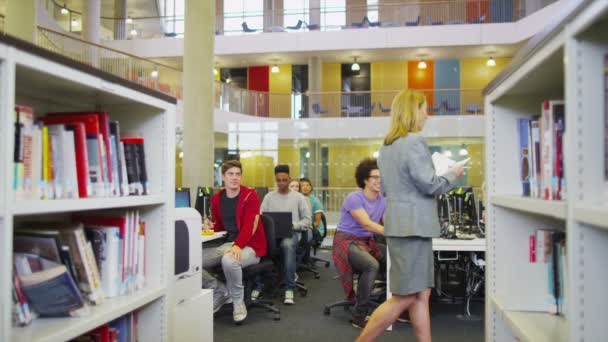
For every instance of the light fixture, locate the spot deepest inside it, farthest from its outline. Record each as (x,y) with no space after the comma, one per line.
(274,69)
(463,152)
(491,62)
(447,153)
(215,71)
(422,64)
(129,20)
(307,154)
(133,32)
(228,80)
(154,73)
(74,22)
(64,10)
(376,154)
(355,66)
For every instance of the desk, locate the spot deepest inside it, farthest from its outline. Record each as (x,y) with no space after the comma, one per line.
(215,236)
(460,245)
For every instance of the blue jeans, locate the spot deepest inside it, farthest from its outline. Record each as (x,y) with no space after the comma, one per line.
(288,247)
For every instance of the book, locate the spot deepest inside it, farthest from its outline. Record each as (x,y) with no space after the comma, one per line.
(135,160)
(524,154)
(535,175)
(105,241)
(549,180)
(116,160)
(82,159)
(23,171)
(51,291)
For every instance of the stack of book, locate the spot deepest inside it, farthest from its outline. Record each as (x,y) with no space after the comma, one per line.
(123,329)
(75,155)
(541,152)
(62,268)
(548,247)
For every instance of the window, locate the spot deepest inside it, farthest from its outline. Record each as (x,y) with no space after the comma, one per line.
(173,12)
(295,10)
(372,10)
(238,11)
(333,14)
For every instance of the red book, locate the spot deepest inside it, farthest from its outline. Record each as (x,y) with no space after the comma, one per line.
(532,248)
(104,129)
(94,151)
(82,159)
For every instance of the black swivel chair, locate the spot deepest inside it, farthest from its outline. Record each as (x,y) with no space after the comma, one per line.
(317,244)
(265,266)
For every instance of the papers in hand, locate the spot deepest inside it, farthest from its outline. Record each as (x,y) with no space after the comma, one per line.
(442,163)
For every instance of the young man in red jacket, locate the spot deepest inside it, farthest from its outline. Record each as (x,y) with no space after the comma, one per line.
(235,210)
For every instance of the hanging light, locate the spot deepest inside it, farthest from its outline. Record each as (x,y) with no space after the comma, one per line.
(228,80)
(214,71)
(463,152)
(447,153)
(64,10)
(74,22)
(129,20)
(491,62)
(154,73)
(376,154)
(274,69)
(422,64)
(133,32)
(355,66)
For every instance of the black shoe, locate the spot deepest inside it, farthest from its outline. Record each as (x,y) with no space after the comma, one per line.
(358,322)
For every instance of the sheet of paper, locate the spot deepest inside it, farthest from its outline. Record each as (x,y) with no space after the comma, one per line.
(443,163)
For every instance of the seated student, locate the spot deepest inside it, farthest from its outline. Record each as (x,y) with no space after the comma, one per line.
(354,247)
(294,185)
(285,200)
(315,205)
(234,209)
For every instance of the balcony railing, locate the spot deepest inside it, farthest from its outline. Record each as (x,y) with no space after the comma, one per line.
(143,71)
(422,13)
(340,104)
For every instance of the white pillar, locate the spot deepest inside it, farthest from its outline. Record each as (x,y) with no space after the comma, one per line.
(198,93)
(315,78)
(91,22)
(120,24)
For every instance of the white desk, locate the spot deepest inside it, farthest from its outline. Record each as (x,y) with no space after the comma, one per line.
(474,245)
(215,236)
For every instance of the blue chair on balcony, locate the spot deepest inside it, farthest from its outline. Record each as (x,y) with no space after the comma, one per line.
(296,27)
(371,24)
(312,27)
(413,23)
(384,110)
(431,22)
(481,20)
(246,28)
(316,108)
(367,111)
(449,109)
(473,108)
(358,24)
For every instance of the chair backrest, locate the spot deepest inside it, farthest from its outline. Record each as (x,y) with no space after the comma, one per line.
(316,108)
(324,220)
(298,25)
(271,241)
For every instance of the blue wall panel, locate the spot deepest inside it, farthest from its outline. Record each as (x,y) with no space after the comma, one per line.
(447,76)
(501,11)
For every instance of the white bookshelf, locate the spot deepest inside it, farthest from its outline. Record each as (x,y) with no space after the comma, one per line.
(33,77)
(566,61)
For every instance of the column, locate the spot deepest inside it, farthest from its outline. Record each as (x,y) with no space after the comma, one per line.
(91,22)
(315,78)
(315,162)
(315,12)
(198,93)
(120,15)
(219,16)
(20,20)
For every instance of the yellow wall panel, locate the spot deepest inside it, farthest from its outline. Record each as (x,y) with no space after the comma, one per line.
(280,87)
(476,173)
(386,79)
(475,74)
(343,160)
(258,171)
(290,155)
(332,82)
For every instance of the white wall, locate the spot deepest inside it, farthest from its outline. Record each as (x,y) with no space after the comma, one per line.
(355,128)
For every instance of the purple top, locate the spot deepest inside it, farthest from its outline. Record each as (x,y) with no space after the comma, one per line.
(357,200)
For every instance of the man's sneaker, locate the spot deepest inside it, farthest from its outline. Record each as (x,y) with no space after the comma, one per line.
(220,301)
(255,294)
(239,313)
(289,297)
(359,321)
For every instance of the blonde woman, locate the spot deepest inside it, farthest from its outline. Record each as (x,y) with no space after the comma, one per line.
(410,184)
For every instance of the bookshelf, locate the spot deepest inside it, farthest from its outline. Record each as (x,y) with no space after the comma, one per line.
(566,61)
(47,82)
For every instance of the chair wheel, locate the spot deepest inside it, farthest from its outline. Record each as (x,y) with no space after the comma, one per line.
(239,323)
(277,317)
(303,293)
(317,276)
(326,265)
(326,311)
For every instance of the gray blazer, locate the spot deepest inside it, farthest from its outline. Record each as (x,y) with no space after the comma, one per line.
(409,181)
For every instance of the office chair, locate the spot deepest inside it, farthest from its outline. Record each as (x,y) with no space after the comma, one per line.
(265,266)
(378,296)
(297,27)
(413,23)
(246,28)
(384,110)
(317,109)
(313,258)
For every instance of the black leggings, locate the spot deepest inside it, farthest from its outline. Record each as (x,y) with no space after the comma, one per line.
(367,266)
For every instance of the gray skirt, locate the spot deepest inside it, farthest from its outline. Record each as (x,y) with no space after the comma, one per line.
(412,266)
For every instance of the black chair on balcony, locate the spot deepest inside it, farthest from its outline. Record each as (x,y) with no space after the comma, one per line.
(367,111)
(413,23)
(246,28)
(431,22)
(296,27)
(481,20)
(384,110)
(312,27)
(316,108)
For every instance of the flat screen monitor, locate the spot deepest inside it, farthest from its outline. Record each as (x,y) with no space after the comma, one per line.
(202,202)
(182,198)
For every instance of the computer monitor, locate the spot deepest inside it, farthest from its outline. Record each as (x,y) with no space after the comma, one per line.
(182,197)
(202,203)
(283,224)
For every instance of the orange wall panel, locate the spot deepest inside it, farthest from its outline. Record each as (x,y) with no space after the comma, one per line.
(422,79)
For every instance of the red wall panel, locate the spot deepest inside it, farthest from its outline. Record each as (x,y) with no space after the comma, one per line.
(258,79)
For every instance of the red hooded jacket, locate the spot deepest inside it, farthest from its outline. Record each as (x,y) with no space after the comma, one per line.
(247,213)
